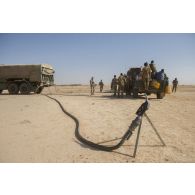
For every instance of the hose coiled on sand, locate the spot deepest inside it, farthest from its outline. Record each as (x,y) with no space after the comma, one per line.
(135,123)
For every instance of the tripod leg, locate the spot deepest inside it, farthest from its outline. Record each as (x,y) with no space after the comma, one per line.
(137,140)
(160,138)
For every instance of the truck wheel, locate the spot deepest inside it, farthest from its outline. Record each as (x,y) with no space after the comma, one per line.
(160,95)
(13,88)
(1,91)
(24,88)
(135,93)
(39,90)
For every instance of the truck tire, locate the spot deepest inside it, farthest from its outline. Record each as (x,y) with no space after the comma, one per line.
(160,95)
(135,93)
(13,88)
(39,90)
(1,91)
(24,88)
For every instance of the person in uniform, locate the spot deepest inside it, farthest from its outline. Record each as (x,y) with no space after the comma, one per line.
(101,84)
(92,86)
(114,85)
(160,76)
(121,85)
(126,84)
(153,69)
(175,83)
(146,75)
(130,85)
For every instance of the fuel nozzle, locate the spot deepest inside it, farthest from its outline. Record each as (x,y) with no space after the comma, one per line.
(137,121)
(134,124)
(145,106)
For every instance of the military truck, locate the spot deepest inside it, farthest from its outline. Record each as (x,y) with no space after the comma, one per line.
(25,78)
(135,84)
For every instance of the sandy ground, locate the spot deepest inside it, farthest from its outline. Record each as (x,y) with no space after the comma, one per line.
(34,129)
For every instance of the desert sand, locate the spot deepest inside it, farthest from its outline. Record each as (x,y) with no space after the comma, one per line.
(34,129)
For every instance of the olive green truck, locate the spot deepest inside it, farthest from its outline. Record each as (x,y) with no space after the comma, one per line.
(25,79)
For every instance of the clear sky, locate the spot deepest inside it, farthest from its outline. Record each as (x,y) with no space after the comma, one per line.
(77,57)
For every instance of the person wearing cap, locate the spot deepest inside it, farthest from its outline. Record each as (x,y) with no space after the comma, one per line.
(146,75)
(160,76)
(153,68)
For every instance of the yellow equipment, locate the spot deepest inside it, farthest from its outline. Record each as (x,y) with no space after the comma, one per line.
(168,89)
(155,84)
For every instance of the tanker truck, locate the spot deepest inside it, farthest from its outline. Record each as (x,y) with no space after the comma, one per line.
(25,78)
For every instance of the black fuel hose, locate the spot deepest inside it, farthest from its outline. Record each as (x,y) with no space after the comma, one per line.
(135,123)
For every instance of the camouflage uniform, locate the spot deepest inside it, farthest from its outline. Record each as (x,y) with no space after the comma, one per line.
(101,84)
(153,69)
(121,85)
(175,83)
(92,86)
(126,84)
(114,85)
(146,75)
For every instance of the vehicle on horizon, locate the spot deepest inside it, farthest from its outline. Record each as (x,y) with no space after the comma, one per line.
(25,78)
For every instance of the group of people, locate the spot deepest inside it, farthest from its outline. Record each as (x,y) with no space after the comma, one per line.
(147,73)
(92,86)
(118,85)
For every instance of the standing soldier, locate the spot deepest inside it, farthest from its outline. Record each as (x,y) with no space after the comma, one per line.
(129,85)
(126,84)
(153,69)
(114,85)
(101,84)
(175,83)
(121,85)
(146,75)
(92,86)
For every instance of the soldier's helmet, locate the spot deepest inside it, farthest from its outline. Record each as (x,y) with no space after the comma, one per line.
(114,76)
(121,74)
(152,62)
(146,64)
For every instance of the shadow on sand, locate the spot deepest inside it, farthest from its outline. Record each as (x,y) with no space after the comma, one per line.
(115,151)
(111,97)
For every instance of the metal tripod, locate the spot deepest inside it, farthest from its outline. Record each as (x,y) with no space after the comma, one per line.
(138,134)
